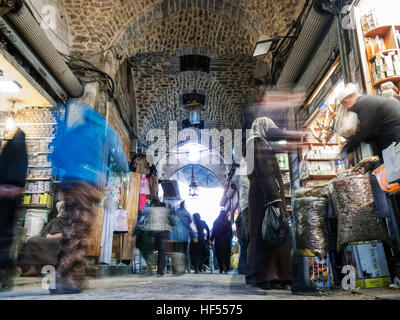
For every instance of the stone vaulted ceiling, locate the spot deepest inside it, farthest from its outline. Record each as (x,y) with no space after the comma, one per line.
(152,34)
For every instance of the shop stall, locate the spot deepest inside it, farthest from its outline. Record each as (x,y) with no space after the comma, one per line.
(26,105)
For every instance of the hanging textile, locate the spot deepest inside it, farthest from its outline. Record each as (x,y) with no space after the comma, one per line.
(121,224)
(144,185)
(107,233)
(153,187)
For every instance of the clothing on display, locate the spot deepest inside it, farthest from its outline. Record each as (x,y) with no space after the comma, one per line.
(121,222)
(153,187)
(142,201)
(107,233)
(144,185)
(141,165)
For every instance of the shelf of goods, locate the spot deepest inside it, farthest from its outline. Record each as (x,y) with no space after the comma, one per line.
(380,54)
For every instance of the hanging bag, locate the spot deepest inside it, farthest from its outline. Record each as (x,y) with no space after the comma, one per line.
(275,228)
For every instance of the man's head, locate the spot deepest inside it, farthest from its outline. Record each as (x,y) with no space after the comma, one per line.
(182,205)
(349,95)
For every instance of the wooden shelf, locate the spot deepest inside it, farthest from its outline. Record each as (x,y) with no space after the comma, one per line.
(379,31)
(320,177)
(318,144)
(372,58)
(393,79)
(37,206)
(39,192)
(322,159)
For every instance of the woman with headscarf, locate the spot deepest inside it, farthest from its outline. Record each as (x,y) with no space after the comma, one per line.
(268,267)
(222,235)
(198,250)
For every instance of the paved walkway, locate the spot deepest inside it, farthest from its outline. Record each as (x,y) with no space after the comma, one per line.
(185,287)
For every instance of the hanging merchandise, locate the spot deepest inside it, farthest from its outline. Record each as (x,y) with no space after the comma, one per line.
(144,185)
(153,187)
(358,218)
(141,165)
(121,220)
(311,218)
(107,233)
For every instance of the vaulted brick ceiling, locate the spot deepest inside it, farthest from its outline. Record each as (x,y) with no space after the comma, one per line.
(152,34)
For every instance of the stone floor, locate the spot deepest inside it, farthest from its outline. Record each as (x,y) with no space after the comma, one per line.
(186,287)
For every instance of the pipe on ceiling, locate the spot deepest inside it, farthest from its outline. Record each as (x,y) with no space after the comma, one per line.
(28,27)
(303,47)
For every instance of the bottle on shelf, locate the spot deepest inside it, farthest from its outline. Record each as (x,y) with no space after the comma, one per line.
(377,47)
(382,44)
(370,48)
(398,37)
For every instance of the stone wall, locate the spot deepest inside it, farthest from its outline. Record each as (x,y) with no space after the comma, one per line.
(96,24)
(158,87)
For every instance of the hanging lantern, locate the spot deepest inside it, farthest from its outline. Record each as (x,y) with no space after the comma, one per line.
(193,187)
(194,109)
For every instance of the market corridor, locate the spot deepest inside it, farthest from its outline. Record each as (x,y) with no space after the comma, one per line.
(186,287)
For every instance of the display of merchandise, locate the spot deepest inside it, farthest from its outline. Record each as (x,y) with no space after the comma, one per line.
(144,185)
(283,161)
(121,224)
(34,222)
(311,218)
(317,271)
(369,21)
(370,262)
(323,152)
(398,37)
(358,218)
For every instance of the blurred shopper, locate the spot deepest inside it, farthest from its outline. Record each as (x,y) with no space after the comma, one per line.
(243,223)
(379,119)
(43,249)
(81,154)
(159,223)
(182,233)
(199,249)
(221,234)
(144,240)
(13,169)
(268,268)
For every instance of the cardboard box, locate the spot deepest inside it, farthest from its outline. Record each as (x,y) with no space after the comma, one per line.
(370,262)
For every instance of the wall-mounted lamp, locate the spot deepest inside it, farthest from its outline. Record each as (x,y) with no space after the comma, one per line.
(7,86)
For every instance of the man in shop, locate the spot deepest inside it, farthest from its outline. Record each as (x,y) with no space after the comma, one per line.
(379,119)
(81,155)
(13,169)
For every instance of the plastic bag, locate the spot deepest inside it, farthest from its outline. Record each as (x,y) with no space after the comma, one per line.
(346,123)
(275,226)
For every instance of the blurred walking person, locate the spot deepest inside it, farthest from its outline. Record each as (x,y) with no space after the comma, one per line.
(159,224)
(13,169)
(268,267)
(198,249)
(81,154)
(182,233)
(221,234)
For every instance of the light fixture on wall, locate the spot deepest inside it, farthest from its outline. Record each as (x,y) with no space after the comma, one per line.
(193,187)
(10,123)
(264,45)
(7,86)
